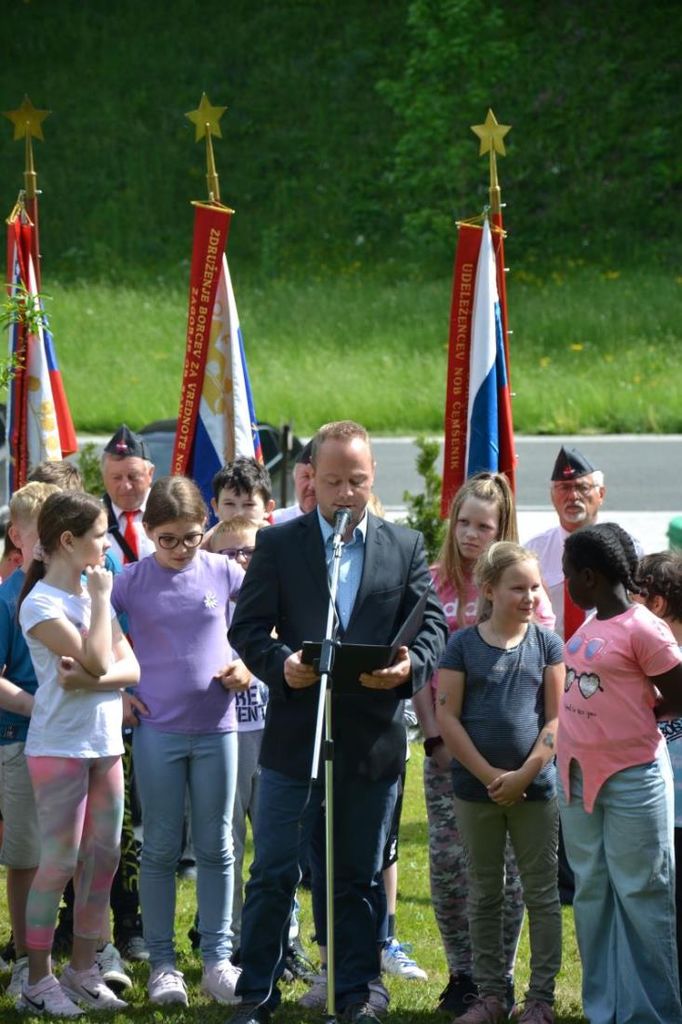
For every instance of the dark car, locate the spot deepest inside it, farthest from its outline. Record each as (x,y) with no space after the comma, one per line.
(160,435)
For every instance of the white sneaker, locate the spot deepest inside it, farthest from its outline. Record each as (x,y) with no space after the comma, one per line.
(218,981)
(88,988)
(19,976)
(47,996)
(165,985)
(112,969)
(395,959)
(316,996)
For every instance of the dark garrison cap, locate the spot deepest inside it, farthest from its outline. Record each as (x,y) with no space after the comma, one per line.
(126,444)
(303,457)
(571,464)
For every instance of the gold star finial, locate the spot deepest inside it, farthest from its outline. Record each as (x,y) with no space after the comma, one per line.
(491,135)
(27,120)
(206,118)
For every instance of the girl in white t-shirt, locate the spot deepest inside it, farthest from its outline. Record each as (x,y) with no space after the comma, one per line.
(73,748)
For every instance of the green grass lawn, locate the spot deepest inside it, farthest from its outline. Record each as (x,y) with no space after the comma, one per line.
(411,1002)
(592,350)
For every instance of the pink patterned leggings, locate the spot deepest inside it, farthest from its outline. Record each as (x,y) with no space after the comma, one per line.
(80,810)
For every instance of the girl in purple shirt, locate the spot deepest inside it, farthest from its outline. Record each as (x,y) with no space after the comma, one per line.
(177,605)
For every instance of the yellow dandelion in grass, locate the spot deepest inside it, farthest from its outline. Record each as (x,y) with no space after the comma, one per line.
(637,379)
(609,357)
(611,275)
(576,346)
(544,362)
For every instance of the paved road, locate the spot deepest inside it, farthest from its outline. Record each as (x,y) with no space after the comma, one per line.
(643,477)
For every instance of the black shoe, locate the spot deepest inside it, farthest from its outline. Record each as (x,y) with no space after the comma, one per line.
(194,936)
(360,1013)
(8,952)
(297,964)
(187,870)
(63,937)
(453,996)
(250,1013)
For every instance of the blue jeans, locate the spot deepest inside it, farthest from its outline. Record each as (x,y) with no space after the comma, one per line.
(166,765)
(622,856)
(362,815)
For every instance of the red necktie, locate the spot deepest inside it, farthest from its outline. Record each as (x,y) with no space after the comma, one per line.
(130,536)
(573,616)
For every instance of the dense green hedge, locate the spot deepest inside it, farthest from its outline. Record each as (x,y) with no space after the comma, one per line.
(346,142)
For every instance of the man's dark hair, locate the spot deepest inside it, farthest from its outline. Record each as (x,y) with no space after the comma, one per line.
(243,475)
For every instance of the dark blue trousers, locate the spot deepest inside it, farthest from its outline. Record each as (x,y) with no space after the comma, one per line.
(282,830)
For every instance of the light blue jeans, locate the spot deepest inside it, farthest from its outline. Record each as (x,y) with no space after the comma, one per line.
(624,905)
(166,765)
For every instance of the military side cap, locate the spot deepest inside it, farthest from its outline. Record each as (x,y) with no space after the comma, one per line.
(571,464)
(303,457)
(125,444)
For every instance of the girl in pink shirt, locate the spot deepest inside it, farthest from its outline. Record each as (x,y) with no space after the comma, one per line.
(615,787)
(482,511)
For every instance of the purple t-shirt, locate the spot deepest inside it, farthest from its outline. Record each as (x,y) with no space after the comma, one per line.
(177,620)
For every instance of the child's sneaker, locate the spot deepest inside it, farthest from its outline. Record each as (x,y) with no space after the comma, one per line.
(47,996)
(165,985)
(19,977)
(88,988)
(218,981)
(395,959)
(112,969)
(483,1010)
(535,1012)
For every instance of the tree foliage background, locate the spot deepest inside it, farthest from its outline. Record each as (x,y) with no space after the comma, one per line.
(346,142)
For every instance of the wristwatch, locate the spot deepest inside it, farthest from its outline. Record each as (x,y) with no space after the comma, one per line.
(430,744)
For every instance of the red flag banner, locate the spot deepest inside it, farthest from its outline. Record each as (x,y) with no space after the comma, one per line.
(40,425)
(478,425)
(457,392)
(211,226)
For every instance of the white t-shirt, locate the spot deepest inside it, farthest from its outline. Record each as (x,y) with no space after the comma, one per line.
(283,515)
(79,723)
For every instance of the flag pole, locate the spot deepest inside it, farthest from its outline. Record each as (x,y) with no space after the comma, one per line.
(28,121)
(492,134)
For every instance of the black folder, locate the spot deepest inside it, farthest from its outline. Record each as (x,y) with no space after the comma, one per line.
(352,660)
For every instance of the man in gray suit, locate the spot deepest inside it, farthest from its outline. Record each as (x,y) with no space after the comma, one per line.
(382,576)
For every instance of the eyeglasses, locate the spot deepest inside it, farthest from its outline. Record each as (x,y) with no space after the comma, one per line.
(570,488)
(191,540)
(238,552)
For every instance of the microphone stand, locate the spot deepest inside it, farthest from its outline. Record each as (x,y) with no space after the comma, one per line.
(324,714)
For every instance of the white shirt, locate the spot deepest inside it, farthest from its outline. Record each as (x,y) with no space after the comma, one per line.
(78,723)
(145,546)
(283,515)
(549,547)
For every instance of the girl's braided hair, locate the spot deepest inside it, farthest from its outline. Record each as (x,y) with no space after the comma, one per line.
(606,548)
(661,575)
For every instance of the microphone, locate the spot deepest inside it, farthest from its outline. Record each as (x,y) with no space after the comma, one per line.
(341,523)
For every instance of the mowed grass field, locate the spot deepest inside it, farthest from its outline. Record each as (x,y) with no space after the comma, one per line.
(592,350)
(411,1002)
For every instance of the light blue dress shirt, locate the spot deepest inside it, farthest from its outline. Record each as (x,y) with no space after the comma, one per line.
(352,562)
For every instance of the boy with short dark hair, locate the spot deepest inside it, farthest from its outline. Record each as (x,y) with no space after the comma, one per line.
(243,487)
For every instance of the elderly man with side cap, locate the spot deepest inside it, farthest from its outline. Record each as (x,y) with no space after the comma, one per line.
(577,492)
(127,474)
(304,489)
